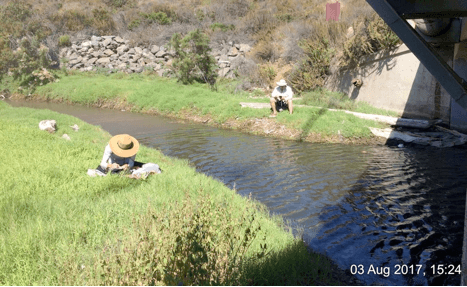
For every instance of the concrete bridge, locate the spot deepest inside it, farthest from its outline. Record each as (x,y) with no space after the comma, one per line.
(438,38)
(432,64)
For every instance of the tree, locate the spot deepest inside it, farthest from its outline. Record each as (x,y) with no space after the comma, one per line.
(192,60)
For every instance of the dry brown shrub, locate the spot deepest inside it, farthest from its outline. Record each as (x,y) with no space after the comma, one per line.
(103,21)
(71,20)
(266,51)
(260,24)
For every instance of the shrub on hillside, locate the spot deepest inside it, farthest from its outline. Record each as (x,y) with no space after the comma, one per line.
(192,60)
(64,41)
(103,21)
(116,3)
(311,72)
(372,34)
(21,58)
(71,20)
(157,17)
(222,27)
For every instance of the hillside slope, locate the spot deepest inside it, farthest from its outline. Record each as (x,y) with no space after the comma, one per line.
(290,39)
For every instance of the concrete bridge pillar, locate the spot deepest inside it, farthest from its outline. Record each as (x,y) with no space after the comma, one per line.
(458,119)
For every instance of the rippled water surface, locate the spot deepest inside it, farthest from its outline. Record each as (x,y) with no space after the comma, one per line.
(377,207)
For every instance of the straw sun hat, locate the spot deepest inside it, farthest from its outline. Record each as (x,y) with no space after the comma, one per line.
(124,145)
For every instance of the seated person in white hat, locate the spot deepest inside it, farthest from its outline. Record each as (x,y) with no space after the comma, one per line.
(281,95)
(120,154)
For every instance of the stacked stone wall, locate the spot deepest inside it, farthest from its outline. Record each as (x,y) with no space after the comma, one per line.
(115,54)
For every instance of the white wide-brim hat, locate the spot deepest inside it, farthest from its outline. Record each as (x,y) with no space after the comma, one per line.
(124,145)
(282,83)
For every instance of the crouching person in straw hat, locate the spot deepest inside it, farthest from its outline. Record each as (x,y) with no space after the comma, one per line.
(119,155)
(282,98)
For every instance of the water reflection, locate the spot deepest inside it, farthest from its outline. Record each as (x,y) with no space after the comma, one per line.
(407,208)
(375,206)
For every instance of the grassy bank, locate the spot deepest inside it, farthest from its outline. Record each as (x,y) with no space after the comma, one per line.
(59,226)
(152,94)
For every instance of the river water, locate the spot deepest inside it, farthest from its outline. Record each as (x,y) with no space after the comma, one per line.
(394,211)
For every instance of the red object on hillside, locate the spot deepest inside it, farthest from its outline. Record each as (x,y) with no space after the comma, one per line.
(332,11)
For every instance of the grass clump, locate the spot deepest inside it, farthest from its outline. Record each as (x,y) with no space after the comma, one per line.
(222,27)
(64,41)
(157,17)
(62,227)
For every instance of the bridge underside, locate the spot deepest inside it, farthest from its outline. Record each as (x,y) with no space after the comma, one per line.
(426,48)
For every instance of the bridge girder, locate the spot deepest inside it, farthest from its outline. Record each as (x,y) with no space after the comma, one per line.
(395,13)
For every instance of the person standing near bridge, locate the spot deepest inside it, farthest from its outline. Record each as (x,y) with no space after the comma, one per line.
(282,96)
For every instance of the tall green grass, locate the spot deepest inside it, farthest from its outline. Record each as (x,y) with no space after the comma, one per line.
(149,92)
(59,226)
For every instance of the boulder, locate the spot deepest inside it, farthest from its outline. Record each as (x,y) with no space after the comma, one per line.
(138,50)
(104,60)
(233,52)
(148,55)
(106,42)
(108,52)
(131,51)
(77,66)
(67,137)
(244,48)
(119,40)
(86,44)
(223,72)
(74,62)
(95,38)
(161,54)
(96,54)
(73,56)
(122,49)
(137,69)
(157,67)
(154,49)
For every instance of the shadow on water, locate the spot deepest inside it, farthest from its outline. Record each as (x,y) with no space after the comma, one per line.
(377,206)
(406,209)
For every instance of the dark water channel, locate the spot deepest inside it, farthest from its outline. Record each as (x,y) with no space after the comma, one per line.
(377,207)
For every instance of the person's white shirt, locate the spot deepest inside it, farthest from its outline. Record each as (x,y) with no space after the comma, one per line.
(110,157)
(287,94)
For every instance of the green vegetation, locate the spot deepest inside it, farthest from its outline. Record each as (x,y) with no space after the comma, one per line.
(222,27)
(64,41)
(152,93)
(157,17)
(192,60)
(29,56)
(62,227)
